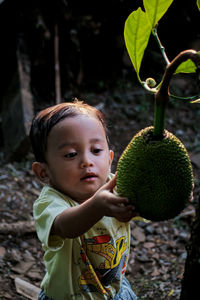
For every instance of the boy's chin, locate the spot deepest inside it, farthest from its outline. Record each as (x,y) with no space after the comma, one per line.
(84,197)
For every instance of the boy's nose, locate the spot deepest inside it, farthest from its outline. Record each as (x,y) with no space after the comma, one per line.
(86,161)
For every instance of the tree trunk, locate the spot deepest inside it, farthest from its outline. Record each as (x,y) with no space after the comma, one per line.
(18,107)
(190,282)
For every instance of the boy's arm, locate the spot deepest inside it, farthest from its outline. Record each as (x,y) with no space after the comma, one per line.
(75,221)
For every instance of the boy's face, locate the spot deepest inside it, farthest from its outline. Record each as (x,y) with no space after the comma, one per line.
(78,157)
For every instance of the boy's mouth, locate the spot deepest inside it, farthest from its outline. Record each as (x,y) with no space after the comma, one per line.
(89,176)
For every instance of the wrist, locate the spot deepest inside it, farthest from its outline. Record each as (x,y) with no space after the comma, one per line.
(95,208)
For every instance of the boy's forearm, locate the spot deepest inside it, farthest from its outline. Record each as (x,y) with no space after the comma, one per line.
(77,220)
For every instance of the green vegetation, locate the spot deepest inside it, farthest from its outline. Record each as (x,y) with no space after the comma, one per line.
(154,171)
(139,26)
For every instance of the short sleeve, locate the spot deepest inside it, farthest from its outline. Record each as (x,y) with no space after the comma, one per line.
(45,209)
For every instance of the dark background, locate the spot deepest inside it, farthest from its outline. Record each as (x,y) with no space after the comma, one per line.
(91,45)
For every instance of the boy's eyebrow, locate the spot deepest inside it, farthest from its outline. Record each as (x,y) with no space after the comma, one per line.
(65,144)
(68,144)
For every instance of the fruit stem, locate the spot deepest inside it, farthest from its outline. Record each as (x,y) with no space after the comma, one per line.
(159,120)
(162,95)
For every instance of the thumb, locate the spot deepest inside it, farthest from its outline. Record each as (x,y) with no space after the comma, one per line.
(111,184)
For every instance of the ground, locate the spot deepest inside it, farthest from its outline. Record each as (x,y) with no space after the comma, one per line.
(158,249)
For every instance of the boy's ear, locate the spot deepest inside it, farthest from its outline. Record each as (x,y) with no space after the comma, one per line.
(111,156)
(39,169)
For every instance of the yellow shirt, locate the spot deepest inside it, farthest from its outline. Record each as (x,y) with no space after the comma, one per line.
(88,267)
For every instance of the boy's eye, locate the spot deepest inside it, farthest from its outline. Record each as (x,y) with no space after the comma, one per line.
(71,155)
(97,150)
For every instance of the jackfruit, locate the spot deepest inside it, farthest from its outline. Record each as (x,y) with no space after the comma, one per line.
(156,175)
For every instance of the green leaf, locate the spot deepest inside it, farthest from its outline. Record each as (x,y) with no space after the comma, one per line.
(198,4)
(155,9)
(195,101)
(187,67)
(137,31)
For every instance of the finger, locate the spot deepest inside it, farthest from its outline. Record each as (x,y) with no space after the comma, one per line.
(116,200)
(124,220)
(110,184)
(126,217)
(191,197)
(122,211)
(132,210)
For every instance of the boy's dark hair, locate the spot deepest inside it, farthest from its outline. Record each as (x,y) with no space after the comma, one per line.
(46,119)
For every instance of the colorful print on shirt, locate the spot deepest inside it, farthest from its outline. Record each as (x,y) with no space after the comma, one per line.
(112,258)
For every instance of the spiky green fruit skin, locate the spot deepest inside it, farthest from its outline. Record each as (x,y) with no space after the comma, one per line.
(156,176)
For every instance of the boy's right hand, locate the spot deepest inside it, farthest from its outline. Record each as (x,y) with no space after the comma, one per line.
(112,205)
(102,203)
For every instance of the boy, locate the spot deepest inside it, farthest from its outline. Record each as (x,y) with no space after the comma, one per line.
(82,224)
